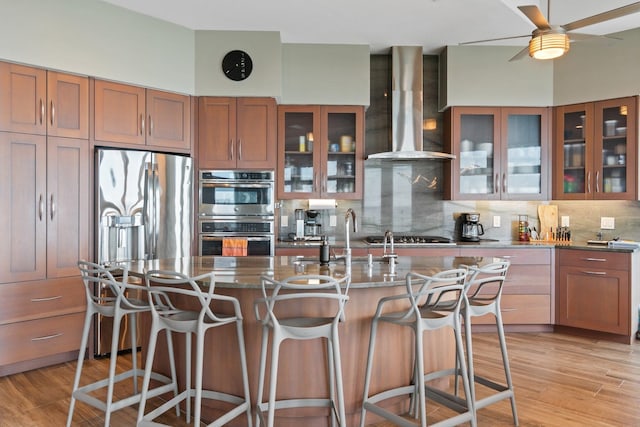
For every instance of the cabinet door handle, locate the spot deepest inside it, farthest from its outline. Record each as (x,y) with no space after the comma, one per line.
(231,149)
(46,299)
(40,208)
(53,207)
(495,184)
(597,181)
(150,125)
(595,273)
(589,182)
(595,259)
(47,337)
(239,149)
(41,111)
(53,112)
(504,182)
(141,124)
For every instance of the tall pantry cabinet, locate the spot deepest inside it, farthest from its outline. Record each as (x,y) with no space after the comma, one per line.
(44,191)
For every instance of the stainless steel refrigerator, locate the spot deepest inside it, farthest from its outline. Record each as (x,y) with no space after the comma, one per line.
(144,211)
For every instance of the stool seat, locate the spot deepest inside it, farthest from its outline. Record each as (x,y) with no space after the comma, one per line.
(165,290)
(118,307)
(423,297)
(305,293)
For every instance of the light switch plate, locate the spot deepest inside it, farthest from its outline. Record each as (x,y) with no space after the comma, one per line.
(284,221)
(496,221)
(332,220)
(607,223)
(564,221)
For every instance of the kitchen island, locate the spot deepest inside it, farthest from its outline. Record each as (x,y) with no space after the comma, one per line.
(302,363)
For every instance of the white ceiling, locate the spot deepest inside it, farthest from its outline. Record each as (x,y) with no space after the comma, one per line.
(379,23)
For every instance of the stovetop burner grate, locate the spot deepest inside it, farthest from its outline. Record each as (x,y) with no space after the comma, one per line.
(409,239)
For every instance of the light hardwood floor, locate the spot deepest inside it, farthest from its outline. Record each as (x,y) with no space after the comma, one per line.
(560,380)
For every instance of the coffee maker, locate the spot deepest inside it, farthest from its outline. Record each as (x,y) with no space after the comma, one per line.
(311,226)
(468,227)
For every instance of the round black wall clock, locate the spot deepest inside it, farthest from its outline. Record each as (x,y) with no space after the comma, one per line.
(237,65)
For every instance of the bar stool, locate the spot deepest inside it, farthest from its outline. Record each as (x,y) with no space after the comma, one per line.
(424,293)
(283,312)
(118,306)
(164,289)
(484,292)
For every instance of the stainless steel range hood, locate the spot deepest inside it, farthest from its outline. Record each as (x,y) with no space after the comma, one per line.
(406,108)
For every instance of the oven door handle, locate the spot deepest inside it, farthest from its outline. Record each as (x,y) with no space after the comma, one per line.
(205,184)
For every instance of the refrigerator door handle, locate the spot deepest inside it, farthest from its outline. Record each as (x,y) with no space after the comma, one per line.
(148,208)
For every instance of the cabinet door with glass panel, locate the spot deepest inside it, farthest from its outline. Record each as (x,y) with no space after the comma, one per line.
(501,153)
(320,152)
(596,156)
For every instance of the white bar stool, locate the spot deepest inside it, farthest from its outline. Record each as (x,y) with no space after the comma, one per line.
(307,291)
(117,307)
(162,287)
(484,292)
(424,293)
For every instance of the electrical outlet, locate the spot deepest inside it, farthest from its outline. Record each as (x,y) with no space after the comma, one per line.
(496,221)
(332,220)
(564,221)
(607,223)
(284,221)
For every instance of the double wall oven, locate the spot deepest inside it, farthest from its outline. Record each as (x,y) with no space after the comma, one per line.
(236,205)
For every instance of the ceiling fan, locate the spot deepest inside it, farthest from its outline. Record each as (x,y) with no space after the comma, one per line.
(552,41)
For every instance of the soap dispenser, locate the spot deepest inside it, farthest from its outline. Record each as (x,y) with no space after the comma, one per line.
(324,251)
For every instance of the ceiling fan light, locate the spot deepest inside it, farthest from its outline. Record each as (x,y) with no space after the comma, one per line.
(548,46)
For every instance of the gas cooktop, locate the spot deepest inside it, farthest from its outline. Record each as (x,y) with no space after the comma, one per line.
(409,239)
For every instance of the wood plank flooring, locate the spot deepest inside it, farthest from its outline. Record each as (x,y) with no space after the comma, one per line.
(560,380)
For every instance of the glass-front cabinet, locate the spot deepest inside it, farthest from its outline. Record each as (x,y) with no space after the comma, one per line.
(501,153)
(596,146)
(320,152)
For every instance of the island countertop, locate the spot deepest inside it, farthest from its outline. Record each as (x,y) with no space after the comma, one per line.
(245,272)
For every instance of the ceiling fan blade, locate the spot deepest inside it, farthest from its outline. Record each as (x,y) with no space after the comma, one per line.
(604,16)
(494,40)
(524,52)
(533,13)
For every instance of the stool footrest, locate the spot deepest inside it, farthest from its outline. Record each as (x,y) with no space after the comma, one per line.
(82,393)
(147,420)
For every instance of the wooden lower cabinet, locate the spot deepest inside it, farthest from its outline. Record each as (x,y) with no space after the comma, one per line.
(596,291)
(527,292)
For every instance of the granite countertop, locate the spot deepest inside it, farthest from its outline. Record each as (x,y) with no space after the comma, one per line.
(245,272)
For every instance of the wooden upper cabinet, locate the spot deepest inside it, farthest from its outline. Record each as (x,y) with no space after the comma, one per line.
(168,120)
(119,113)
(41,102)
(134,115)
(67,105)
(237,133)
(23,92)
(23,197)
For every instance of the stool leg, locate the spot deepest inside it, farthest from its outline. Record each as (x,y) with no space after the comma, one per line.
(83,348)
(331,381)
(153,339)
(245,373)
(198,399)
(367,375)
(188,374)
(273,380)
(338,375)
(172,366)
(113,358)
(505,363)
(262,371)
(134,350)
(419,350)
(464,369)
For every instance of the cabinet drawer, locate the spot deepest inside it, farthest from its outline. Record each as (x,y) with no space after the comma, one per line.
(521,310)
(514,255)
(524,280)
(34,300)
(40,338)
(595,259)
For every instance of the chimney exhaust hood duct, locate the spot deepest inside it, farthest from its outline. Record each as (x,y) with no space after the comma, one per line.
(406,108)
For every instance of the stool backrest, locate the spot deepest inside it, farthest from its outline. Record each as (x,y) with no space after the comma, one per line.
(486,282)
(294,291)
(115,278)
(164,285)
(444,289)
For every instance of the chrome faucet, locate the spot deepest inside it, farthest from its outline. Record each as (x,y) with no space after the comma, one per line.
(388,238)
(349,216)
